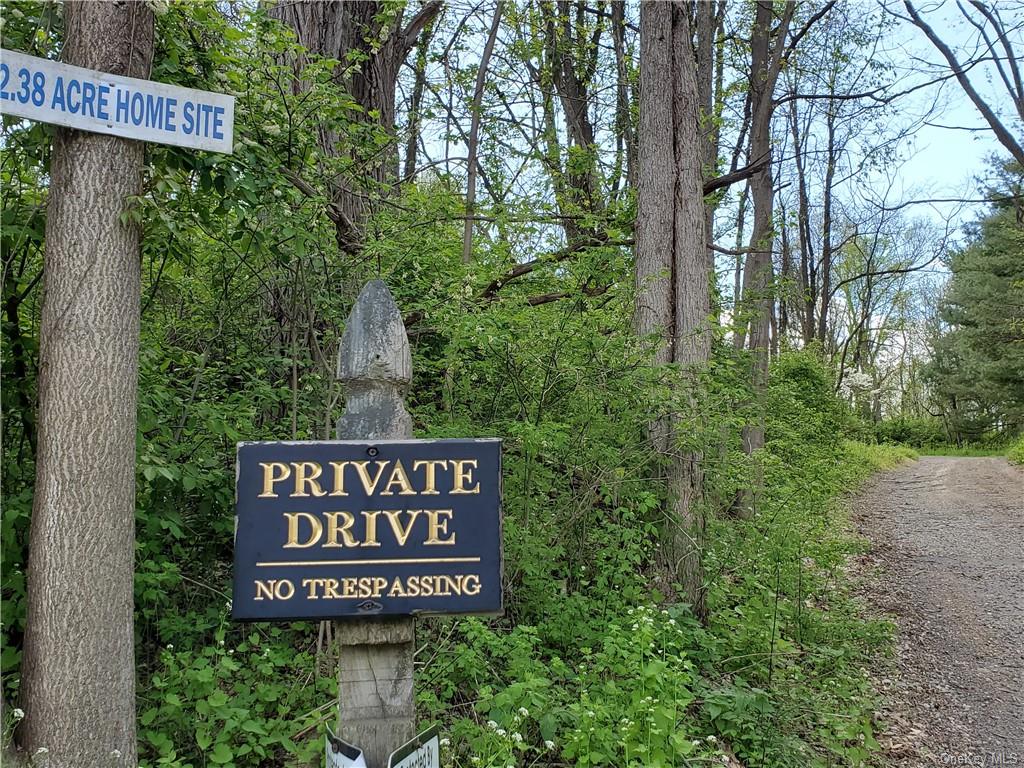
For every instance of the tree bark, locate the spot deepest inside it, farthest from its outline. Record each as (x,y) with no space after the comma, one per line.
(672,276)
(78,673)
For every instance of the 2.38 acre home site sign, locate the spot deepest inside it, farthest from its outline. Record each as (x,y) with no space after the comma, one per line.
(329,529)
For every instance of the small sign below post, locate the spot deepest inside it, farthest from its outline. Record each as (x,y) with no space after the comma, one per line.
(422,752)
(52,92)
(340,754)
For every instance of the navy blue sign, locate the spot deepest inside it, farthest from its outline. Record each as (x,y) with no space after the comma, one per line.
(345,528)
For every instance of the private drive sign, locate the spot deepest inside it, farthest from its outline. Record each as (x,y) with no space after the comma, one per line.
(52,92)
(328,529)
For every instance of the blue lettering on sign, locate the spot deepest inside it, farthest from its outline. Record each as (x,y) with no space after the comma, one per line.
(58,94)
(101,102)
(346,528)
(74,91)
(121,115)
(218,122)
(188,124)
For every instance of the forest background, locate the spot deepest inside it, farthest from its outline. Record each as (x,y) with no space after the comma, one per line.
(696,297)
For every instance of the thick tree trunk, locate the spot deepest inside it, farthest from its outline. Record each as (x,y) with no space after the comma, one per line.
(78,672)
(673,296)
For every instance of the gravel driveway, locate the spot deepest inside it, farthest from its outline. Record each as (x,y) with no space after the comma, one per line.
(947,538)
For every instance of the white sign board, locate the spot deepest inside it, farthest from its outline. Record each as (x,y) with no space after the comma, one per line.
(341,754)
(422,752)
(51,92)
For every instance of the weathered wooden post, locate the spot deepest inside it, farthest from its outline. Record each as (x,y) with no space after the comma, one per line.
(376,709)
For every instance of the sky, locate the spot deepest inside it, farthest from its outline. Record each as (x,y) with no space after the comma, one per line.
(944,162)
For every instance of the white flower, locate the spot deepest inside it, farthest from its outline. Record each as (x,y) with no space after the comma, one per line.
(695,742)
(491,724)
(549,744)
(524,712)
(672,622)
(712,740)
(501,731)
(170,646)
(517,738)
(445,742)
(19,713)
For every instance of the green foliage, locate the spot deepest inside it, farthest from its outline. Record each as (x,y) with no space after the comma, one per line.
(915,432)
(977,368)
(1016,452)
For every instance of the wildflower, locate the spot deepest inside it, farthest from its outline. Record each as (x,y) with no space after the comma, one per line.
(712,740)
(517,738)
(19,713)
(524,712)
(672,622)
(549,744)
(501,732)
(491,724)
(170,646)
(445,742)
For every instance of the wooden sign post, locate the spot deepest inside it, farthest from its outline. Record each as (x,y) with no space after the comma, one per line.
(376,709)
(371,530)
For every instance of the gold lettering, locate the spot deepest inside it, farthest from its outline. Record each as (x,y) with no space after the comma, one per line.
(312,585)
(316,530)
(398,476)
(379,582)
(401,534)
(339,478)
(331,589)
(436,526)
(274,589)
(461,475)
(306,473)
(412,584)
(264,589)
(345,529)
(430,472)
(369,485)
(370,536)
(397,589)
(471,584)
(348,587)
(270,477)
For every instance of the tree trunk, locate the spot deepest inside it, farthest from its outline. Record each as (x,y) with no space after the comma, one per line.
(474,134)
(413,139)
(765,56)
(78,672)
(336,29)
(672,277)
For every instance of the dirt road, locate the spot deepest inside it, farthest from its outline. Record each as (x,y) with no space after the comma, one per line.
(948,554)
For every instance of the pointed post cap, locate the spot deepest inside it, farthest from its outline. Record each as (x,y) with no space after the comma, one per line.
(374,346)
